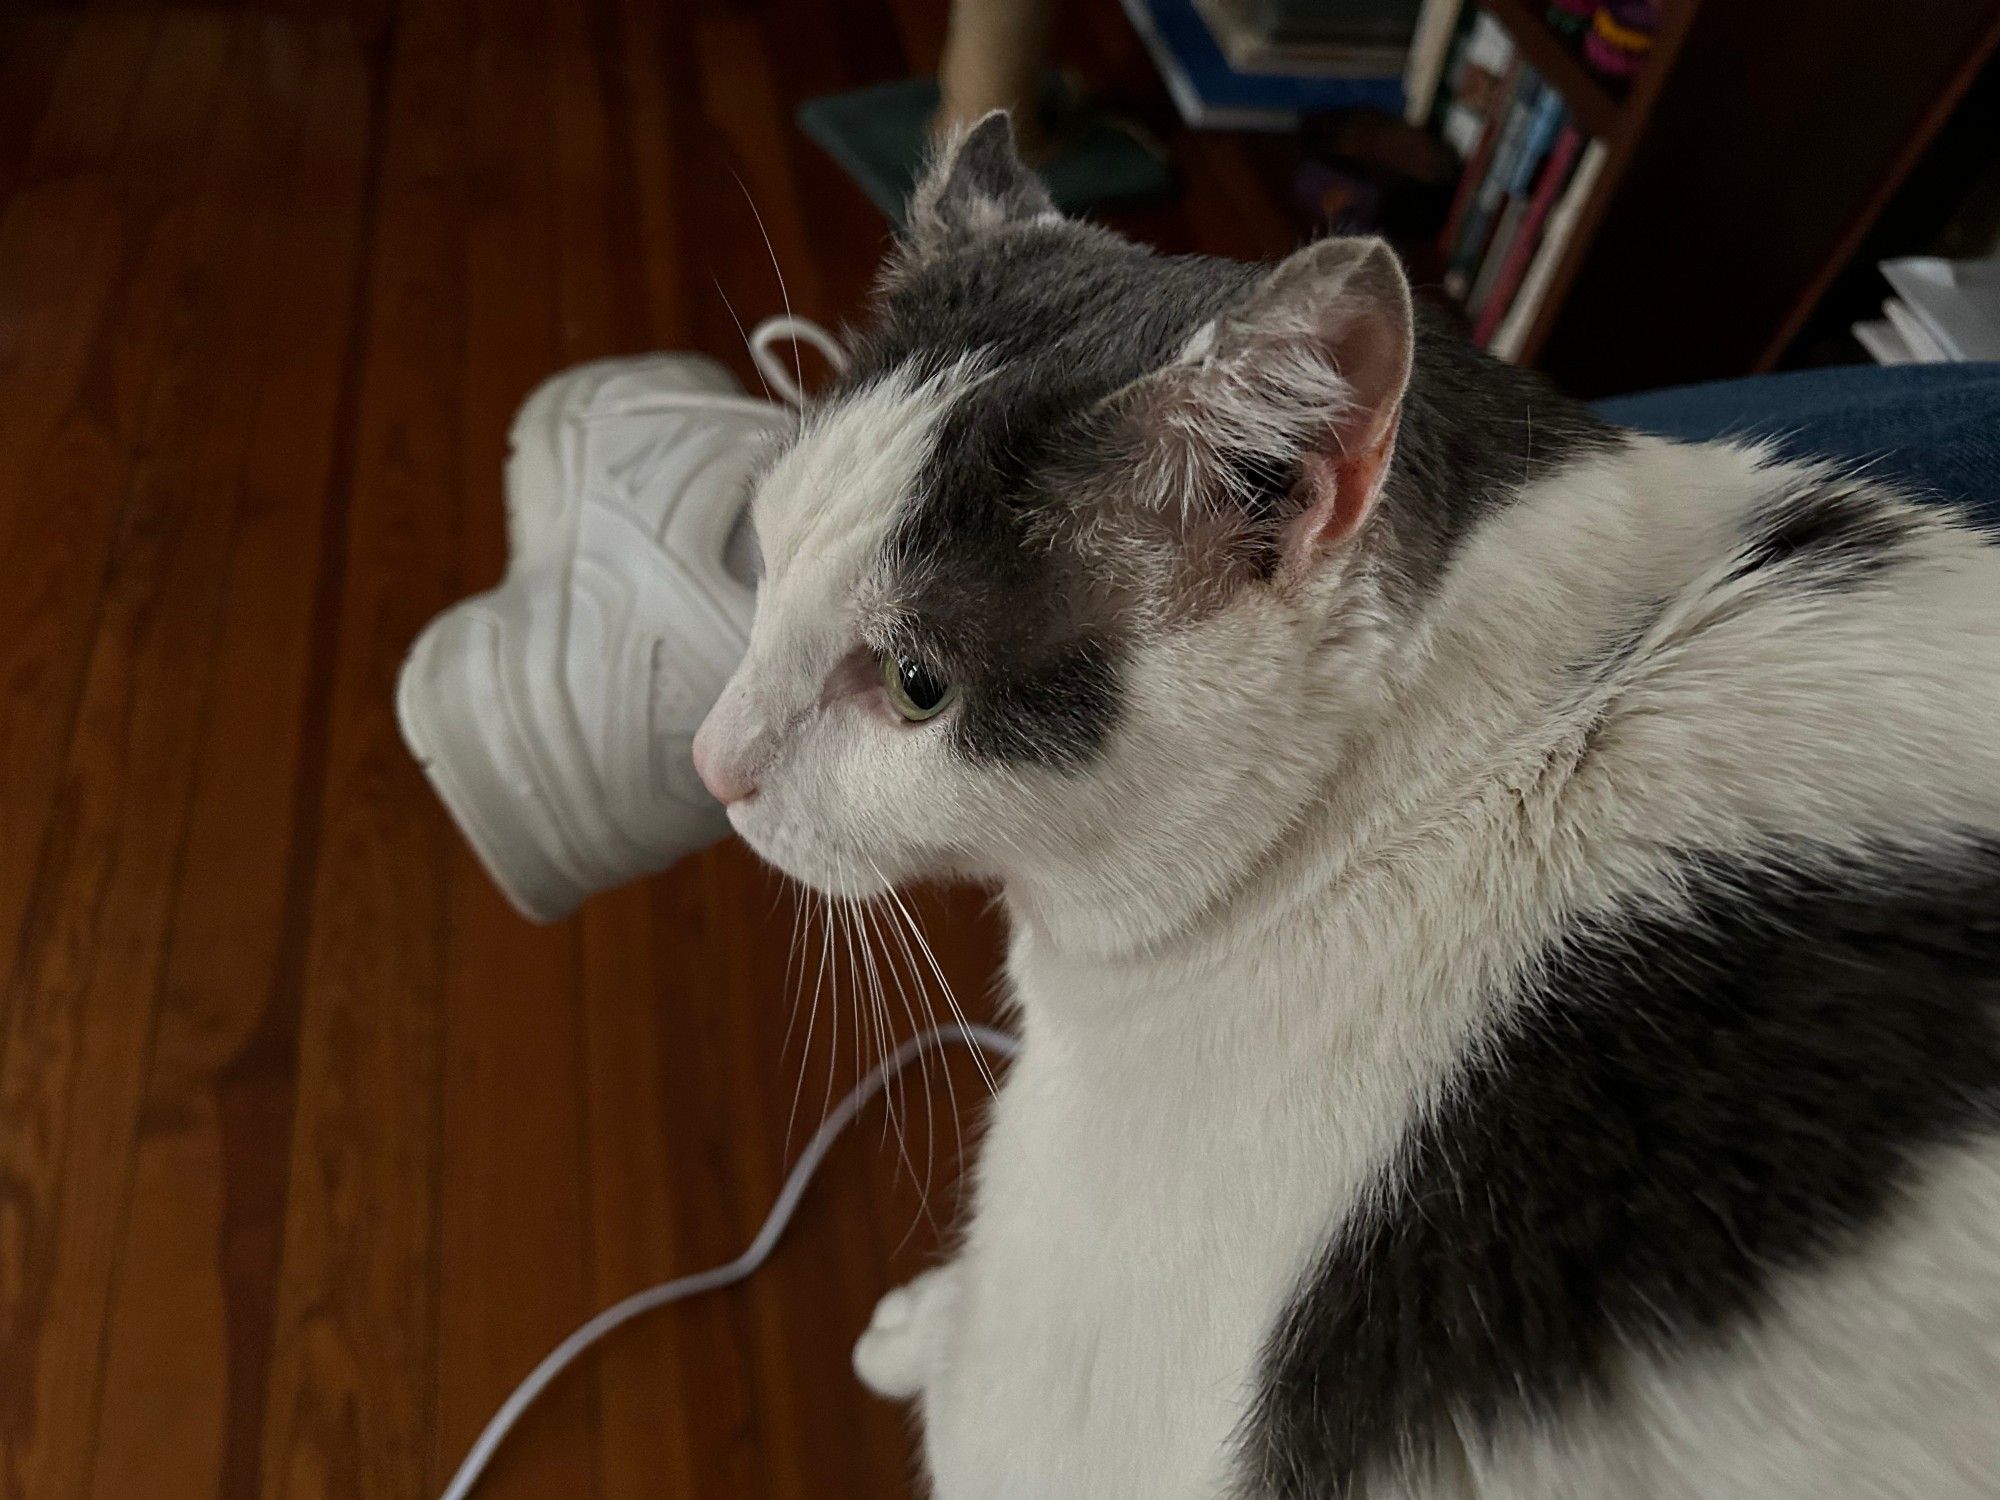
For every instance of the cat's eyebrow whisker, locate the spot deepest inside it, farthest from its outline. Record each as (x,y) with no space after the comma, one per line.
(784,295)
(744,334)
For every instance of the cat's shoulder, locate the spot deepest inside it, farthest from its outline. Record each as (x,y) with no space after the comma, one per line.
(1762,650)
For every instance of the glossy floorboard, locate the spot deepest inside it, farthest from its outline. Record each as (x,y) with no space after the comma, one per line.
(308,1146)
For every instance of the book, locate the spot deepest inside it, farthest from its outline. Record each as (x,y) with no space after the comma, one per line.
(1512,214)
(1481,68)
(1211,95)
(1925,347)
(1512,335)
(1544,122)
(1249,50)
(1478,160)
(1884,345)
(1338,22)
(1430,48)
(1487,202)
(1956,303)
(1527,239)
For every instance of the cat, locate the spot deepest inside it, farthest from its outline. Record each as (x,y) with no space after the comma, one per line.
(1504,911)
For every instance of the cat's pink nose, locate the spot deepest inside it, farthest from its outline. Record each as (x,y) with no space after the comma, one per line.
(726,778)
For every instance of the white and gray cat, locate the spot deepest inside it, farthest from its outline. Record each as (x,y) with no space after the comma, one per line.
(1505,911)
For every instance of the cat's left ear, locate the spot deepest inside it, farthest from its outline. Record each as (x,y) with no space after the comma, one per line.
(975,183)
(1285,409)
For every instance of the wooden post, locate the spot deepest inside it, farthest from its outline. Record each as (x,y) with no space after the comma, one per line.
(994,55)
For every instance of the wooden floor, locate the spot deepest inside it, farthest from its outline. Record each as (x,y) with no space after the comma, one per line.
(309,1147)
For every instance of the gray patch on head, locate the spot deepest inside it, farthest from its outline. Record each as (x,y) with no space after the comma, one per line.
(1061,315)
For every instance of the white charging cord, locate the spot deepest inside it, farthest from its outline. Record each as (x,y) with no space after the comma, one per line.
(745,1265)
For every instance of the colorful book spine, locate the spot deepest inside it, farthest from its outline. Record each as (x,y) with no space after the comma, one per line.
(1429,48)
(1549,113)
(1488,201)
(1505,230)
(1512,336)
(1479,66)
(1514,269)
(1480,158)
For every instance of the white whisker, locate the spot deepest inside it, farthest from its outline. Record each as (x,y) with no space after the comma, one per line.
(742,333)
(784,294)
(903,921)
(944,984)
(900,1120)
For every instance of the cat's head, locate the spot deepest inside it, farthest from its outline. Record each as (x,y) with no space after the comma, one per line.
(1068,583)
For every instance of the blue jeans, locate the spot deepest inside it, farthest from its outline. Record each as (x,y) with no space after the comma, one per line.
(1934,428)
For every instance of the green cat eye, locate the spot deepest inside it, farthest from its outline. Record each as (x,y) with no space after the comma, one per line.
(914,690)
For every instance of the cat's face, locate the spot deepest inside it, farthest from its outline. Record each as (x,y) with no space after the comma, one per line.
(1063,585)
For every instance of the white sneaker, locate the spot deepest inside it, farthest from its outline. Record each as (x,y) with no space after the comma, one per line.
(554,714)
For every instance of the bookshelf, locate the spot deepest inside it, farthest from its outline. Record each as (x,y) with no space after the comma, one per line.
(1743,168)
(1590,100)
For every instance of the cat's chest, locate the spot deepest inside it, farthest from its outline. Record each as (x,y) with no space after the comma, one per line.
(1150,1196)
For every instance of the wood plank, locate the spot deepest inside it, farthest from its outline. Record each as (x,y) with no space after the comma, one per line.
(674,1403)
(87,973)
(352,1383)
(756,253)
(94,193)
(513,1256)
(658,139)
(32,49)
(188,1329)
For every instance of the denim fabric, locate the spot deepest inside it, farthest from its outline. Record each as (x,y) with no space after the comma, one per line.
(1935,428)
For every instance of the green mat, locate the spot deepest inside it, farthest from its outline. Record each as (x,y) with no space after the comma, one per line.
(880,135)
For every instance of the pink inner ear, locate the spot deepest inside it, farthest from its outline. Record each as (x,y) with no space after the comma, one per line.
(1341,488)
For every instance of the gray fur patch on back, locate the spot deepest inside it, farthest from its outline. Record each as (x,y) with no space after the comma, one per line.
(1692,1101)
(1831,533)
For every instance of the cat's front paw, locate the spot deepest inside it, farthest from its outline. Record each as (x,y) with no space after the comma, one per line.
(897,1354)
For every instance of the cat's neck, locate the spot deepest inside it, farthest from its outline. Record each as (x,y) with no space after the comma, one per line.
(1482,701)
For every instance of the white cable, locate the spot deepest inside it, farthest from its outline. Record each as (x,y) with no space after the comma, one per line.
(745,1265)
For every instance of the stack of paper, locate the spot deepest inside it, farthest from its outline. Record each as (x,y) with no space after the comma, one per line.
(1944,312)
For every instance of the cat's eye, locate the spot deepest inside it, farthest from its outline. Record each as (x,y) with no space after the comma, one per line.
(915,692)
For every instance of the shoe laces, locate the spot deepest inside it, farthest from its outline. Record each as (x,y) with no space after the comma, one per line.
(787,328)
